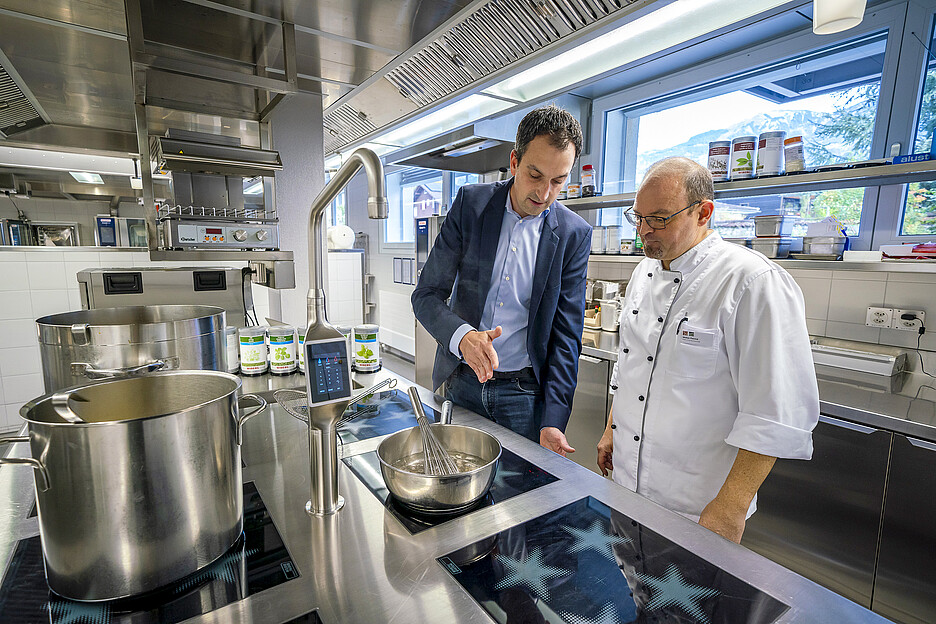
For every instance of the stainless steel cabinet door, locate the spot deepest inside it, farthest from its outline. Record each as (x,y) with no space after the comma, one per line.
(820,518)
(589,410)
(905,586)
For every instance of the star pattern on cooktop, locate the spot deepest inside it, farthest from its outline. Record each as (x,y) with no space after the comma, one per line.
(224,569)
(70,612)
(503,474)
(672,590)
(531,572)
(607,615)
(595,537)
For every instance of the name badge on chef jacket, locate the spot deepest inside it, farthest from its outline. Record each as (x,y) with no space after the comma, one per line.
(696,337)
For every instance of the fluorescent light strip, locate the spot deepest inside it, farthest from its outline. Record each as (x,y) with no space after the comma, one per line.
(666,27)
(86,178)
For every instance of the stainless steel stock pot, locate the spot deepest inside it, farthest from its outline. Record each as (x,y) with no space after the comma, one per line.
(138,480)
(78,347)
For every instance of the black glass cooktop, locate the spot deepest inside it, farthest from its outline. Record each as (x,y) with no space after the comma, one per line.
(259,560)
(514,476)
(382,414)
(590,564)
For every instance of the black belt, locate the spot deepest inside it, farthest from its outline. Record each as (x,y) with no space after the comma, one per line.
(523,373)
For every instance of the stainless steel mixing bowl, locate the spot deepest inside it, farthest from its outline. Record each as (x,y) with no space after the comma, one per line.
(401,463)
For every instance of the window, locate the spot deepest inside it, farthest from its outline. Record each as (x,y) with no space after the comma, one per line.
(828,96)
(919,214)
(412,193)
(461,179)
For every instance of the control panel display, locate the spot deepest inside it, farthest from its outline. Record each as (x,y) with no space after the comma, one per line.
(220,236)
(328,370)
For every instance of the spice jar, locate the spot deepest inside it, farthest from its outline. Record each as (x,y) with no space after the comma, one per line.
(588,181)
(282,350)
(718,154)
(253,350)
(770,153)
(793,154)
(742,157)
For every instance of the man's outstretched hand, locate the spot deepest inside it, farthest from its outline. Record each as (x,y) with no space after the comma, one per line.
(477,347)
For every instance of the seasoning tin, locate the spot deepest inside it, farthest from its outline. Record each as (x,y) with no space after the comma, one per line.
(574,191)
(613,239)
(300,349)
(366,348)
(718,154)
(230,335)
(283,358)
(253,350)
(770,153)
(598,241)
(742,157)
(793,154)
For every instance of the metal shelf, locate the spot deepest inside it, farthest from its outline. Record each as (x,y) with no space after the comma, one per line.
(877,175)
(219,255)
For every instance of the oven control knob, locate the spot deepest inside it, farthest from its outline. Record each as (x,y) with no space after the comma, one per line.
(262,235)
(240,235)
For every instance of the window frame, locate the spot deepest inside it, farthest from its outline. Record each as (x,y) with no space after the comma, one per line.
(739,70)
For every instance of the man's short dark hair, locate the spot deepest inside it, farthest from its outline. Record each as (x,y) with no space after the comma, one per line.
(558,124)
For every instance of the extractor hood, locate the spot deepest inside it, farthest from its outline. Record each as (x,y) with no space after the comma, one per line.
(192,153)
(477,148)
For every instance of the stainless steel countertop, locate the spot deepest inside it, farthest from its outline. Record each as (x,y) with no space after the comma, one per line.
(905,403)
(361,565)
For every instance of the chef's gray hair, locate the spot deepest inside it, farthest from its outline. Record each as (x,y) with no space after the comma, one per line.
(558,124)
(696,179)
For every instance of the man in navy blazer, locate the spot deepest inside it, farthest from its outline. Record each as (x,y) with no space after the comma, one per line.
(511,261)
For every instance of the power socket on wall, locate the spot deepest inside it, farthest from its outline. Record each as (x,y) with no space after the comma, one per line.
(879,317)
(913,324)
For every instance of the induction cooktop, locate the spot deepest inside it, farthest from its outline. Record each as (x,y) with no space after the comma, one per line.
(257,561)
(588,564)
(514,476)
(381,414)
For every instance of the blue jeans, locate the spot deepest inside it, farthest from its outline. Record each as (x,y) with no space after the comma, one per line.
(515,403)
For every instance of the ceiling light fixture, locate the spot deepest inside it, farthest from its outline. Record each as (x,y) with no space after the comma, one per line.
(86,178)
(832,16)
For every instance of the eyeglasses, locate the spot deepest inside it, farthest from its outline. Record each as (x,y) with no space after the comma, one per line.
(654,223)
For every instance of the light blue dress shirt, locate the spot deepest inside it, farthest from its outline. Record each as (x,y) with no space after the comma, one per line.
(508,301)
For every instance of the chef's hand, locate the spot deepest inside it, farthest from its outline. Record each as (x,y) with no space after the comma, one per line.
(605,446)
(725,519)
(478,350)
(555,440)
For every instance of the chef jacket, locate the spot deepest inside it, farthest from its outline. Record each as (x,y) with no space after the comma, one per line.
(714,356)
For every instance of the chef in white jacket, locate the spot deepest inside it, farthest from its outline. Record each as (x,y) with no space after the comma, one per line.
(714,378)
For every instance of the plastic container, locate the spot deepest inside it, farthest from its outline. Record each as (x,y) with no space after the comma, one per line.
(770,153)
(233,359)
(772,225)
(793,154)
(253,350)
(574,191)
(598,240)
(283,357)
(718,154)
(366,348)
(588,181)
(612,239)
(742,157)
(777,247)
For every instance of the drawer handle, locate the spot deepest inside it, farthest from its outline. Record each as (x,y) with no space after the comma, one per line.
(835,422)
(589,358)
(922,444)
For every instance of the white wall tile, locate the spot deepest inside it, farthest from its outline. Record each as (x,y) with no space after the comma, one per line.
(18,333)
(14,276)
(74,299)
(873,276)
(853,331)
(16,304)
(816,327)
(816,292)
(849,299)
(72,269)
(916,278)
(92,258)
(45,255)
(22,388)
(911,295)
(46,302)
(811,273)
(12,256)
(46,275)
(9,415)
(20,361)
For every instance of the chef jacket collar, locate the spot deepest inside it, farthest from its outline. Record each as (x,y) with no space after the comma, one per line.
(691,259)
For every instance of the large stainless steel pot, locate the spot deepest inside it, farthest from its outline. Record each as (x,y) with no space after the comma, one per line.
(78,347)
(144,491)
(401,460)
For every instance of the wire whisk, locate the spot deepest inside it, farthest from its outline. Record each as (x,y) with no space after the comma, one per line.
(438,461)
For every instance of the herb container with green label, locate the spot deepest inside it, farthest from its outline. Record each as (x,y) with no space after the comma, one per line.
(366,348)
(282,350)
(253,350)
(742,157)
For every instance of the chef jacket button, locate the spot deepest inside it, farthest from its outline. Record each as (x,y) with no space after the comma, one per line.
(676,280)
(613,426)
(635,311)
(640,398)
(649,274)
(625,350)
(660,319)
(649,358)
(636,438)
(614,387)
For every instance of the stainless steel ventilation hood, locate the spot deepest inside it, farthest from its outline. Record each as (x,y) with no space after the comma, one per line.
(477,148)
(222,155)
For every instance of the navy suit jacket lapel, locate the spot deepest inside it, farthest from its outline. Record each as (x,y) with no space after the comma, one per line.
(545,253)
(492,219)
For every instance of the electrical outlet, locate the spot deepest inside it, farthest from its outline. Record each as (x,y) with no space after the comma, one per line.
(908,325)
(879,317)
